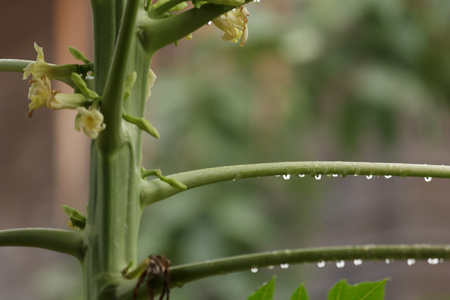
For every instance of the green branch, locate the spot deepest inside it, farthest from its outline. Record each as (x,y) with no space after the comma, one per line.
(112,98)
(180,275)
(190,272)
(63,241)
(157,34)
(14,65)
(154,190)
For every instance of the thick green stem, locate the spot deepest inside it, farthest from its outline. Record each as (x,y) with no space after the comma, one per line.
(155,190)
(183,274)
(104,18)
(111,139)
(63,241)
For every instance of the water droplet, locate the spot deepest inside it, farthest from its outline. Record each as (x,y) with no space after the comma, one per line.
(286,177)
(321,264)
(340,264)
(318,176)
(335,175)
(369,176)
(209,23)
(357,262)
(433,261)
(277,175)
(411,261)
(270,267)
(388,261)
(254,270)
(441,260)
(256,1)
(428,179)
(284,266)
(387,176)
(301,175)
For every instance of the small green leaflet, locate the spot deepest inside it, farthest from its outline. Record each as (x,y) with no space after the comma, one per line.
(265,292)
(340,291)
(362,291)
(300,293)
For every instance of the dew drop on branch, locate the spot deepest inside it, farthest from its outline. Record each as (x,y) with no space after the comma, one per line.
(357,262)
(387,176)
(427,179)
(335,175)
(256,1)
(411,261)
(369,176)
(340,264)
(284,266)
(387,261)
(270,267)
(301,175)
(318,176)
(286,177)
(321,264)
(433,261)
(254,270)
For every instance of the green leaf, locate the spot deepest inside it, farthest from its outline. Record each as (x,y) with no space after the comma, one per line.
(77,220)
(265,292)
(300,293)
(362,291)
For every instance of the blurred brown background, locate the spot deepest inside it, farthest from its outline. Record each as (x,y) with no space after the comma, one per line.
(317,80)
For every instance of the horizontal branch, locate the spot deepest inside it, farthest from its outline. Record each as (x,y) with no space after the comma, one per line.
(155,190)
(337,255)
(63,241)
(180,275)
(14,65)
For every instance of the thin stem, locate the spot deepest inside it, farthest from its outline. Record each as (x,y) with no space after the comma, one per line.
(160,10)
(157,34)
(190,272)
(155,190)
(183,274)
(63,241)
(110,139)
(14,65)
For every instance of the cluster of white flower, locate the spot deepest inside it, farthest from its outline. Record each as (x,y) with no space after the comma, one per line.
(42,94)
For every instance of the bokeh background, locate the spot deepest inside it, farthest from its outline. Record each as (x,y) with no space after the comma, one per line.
(317,80)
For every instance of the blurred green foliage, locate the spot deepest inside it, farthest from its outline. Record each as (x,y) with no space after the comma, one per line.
(318,79)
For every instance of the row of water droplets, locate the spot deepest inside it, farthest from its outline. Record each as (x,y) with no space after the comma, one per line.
(319,176)
(357,262)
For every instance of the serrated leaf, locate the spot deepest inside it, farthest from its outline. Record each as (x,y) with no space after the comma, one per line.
(266,292)
(300,293)
(361,291)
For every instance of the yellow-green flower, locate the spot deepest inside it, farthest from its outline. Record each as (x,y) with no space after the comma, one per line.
(40,93)
(69,101)
(234,24)
(40,67)
(90,121)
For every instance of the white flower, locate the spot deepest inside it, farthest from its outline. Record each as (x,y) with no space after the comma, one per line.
(234,24)
(90,121)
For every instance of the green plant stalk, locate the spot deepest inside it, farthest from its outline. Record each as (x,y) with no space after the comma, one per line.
(114,206)
(63,241)
(14,65)
(183,274)
(154,191)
